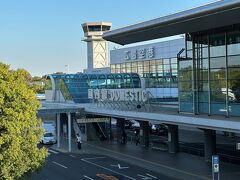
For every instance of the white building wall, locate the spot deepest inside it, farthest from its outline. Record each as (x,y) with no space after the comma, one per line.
(165,49)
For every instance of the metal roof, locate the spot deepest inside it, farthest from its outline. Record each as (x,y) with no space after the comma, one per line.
(213,15)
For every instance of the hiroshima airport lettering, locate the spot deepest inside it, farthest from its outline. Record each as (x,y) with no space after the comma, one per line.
(140,53)
(138,95)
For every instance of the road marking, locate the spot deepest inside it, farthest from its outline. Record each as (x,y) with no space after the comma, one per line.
(87,177)
(52,151)
(151,176)
(59,164)
(102,157)
(154,163)
(144,177)
(119,166)
(72,156)
(49,154)
(108,169)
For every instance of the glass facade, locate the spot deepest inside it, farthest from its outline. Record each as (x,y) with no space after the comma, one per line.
(157,73)
(75,86)
(209,76)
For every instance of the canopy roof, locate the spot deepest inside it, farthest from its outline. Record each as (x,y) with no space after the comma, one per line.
(210,16)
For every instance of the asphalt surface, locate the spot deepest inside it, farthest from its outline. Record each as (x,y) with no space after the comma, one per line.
(70,166)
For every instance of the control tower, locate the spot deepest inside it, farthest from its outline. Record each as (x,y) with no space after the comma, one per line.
(97,47)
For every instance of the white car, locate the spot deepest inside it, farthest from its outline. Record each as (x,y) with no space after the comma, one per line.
(48,138)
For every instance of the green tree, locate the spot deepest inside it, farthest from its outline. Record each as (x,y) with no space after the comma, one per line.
(20,130)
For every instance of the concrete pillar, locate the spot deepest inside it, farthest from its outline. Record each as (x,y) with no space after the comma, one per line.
(69,132)
(120,128)
(144,133)
(58,130)
(209,144)
(173,138)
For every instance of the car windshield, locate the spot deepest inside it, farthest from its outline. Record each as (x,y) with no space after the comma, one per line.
(48,135)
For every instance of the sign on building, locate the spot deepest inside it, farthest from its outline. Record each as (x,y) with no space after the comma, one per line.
(138,95)
(142,53)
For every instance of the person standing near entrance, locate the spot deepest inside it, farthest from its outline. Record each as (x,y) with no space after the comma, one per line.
(137,137)
(79,141)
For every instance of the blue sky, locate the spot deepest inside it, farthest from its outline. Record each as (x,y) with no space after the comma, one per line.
(42,36)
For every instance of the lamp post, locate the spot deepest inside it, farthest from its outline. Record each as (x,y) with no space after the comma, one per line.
(67,68)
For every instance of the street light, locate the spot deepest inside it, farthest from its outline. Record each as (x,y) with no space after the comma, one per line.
(67,68)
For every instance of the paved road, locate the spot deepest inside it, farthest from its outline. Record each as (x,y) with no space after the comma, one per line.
(69,166)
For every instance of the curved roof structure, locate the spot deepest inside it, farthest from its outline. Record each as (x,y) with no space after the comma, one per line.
(210,16)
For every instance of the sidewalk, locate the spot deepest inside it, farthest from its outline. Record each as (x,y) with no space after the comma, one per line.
(180,165)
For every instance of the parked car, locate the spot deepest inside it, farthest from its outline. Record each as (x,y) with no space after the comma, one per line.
(159,129)
(48,138)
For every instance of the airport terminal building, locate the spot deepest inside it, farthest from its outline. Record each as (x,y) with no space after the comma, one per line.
(200,71)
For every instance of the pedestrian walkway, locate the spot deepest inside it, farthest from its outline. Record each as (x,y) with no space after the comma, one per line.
(180,165)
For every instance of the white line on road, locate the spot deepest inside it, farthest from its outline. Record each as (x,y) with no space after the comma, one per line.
(59,164)
(88,177)
(94,158)
(50,150)
(49,153)
(151,176)
(72,156)
(108,169)
(144,177)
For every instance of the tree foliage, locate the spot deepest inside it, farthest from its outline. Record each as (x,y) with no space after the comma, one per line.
(20,130)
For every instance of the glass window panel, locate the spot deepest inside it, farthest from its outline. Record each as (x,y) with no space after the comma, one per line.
(186,107)
(174,66)
(189,54)
(203,74)
(189,45)
(134,67)
(112,68)
(216,51)
(204,64)
(204,52)
(185,65)
(203,107)
(218,96)
(186,96)
(233,43)
(166,61)
(233,73)
(128,65)
(203,96)
(217,45)
(159,67)
(146,66)
(159,61)
(173,60)
(203,85)
(219,62)
(166,67)
(234,108)
(153,69)
(218,108)
(218,85)
(185,86)
(234,49)
(185,75)
(217,74)
(234,85)
(233,61)
(123,66)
